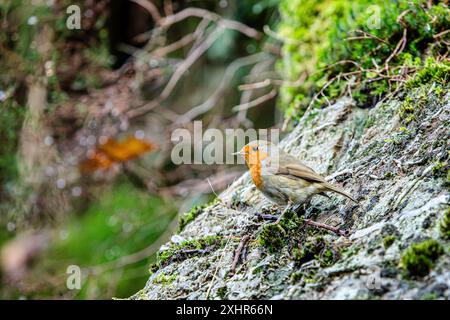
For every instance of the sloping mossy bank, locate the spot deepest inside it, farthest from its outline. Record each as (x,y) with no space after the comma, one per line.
(397,232)
(392,157)
(366,49)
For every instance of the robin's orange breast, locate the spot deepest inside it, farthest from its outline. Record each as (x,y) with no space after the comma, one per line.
(255,172)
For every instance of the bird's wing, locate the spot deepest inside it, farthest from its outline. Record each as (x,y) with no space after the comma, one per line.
(299,171)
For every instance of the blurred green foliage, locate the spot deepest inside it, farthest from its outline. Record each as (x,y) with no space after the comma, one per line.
(329,38)
(11,117)
(120,223)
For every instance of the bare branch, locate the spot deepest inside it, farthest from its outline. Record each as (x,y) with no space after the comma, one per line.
(440,34)
(366,35)
(151,8)
(213,36)
(212,100)
(184,41)
(398,49)
(205,14)
(256,102)
(238,252)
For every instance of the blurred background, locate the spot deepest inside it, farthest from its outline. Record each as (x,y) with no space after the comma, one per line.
(86,120)
(91,92)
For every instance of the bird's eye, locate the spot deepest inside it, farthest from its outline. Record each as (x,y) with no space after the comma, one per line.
(255,148)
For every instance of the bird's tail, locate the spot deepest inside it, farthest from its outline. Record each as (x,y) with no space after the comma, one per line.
(340,191)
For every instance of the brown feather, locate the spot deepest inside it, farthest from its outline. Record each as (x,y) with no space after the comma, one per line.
(330,187)
(298,170)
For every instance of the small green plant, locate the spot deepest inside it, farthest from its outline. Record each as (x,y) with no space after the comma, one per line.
(440,169)
(444,225)
(388,241)
(419,258)
(222,292)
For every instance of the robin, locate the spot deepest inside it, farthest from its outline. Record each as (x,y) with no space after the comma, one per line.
(283,178)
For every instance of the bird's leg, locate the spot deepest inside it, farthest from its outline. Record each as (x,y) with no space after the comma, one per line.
(288,206)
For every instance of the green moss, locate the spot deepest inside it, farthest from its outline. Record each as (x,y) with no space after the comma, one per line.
(317,43)
(307,276)
(272,237)
(222,292)
(440,169)
(316,248)
(309,250)
(371,148)
(419,258)
(369,122)
(409,107)
(432,72)
(429,296)
(350,251)
(178,251)
(189,216)
(444,225)
(152,268)
(164,279)
(296,276)
(275,236)
(290,232)
(192,214)
(388,241)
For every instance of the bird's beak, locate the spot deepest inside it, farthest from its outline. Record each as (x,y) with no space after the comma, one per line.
(239,152)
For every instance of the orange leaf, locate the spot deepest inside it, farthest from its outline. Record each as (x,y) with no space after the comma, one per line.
(97,161)
(115,151)
(130,148)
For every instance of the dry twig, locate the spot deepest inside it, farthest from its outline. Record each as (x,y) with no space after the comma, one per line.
(238,252)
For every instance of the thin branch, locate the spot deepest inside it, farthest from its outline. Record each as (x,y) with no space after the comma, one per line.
(151,8)
(366,35)
(229,74)
(326,227)
(277,82)
(278,37)
(198,34)
(219,180)
(184,41)
(190,60)
(440,34)
(256,102)
(256,72)
(205,14)
(238,252)
(256,85)
(168,7)
(398,49)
